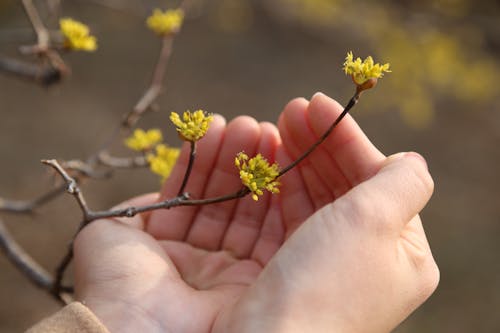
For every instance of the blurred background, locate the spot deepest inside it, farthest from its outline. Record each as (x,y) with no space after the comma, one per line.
(250,57)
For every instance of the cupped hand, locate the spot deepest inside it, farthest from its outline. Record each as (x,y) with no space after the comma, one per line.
(341,247)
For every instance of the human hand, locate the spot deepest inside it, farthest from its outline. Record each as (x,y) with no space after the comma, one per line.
(200,269)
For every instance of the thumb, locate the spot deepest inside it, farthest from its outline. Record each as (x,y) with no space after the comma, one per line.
(118,249)
(391,198)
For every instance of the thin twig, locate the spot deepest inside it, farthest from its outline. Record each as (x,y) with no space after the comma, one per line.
(114,162)
(71,186)
(24,262)
(148,97)
(41,31)
(181,200)
(192,156)
(28,206)
(352,102)
(42,46)
(198,202)
(146,100)
(111,163)
(57,287)
(90,215)
(85,169)
(44,75)
(155,87)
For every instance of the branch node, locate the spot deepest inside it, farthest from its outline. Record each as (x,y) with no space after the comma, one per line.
(130,212)
(72,187)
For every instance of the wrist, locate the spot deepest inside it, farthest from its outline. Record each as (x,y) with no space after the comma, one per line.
(118,316)
(275,305)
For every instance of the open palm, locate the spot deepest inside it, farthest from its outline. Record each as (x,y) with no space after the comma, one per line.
(192,264)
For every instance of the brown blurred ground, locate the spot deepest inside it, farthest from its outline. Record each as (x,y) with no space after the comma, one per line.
(254,71)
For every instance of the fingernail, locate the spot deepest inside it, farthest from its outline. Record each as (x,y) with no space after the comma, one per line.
(317,94)
(417,156)
(395,157)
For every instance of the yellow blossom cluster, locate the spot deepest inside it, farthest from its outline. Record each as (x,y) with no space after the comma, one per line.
(362,71)
(257,175)
(165,23)
(163,161)
(142,140)
(193,126)
(77,35)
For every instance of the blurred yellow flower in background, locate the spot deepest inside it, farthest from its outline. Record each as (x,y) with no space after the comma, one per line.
(163,160)
(165,23)
(77,35)
(141,140)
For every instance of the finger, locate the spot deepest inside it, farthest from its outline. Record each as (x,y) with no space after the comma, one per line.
(318,169)
(354,155)
(296,203)
(245,226)
(272,234)
(175,223)
(100,235)
(108,251)
(414,242)
(391,198)
(211,221)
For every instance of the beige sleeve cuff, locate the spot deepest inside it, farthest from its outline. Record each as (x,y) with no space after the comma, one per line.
(74,317)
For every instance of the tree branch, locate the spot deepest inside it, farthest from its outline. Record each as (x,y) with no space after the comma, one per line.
(71,186)
(20,259)
(26,207)
(44,75)
(155,87)
(41,31)
(25,263)
(90,215)
(42,47)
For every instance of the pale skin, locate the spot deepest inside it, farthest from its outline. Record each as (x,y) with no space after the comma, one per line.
(340,249)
